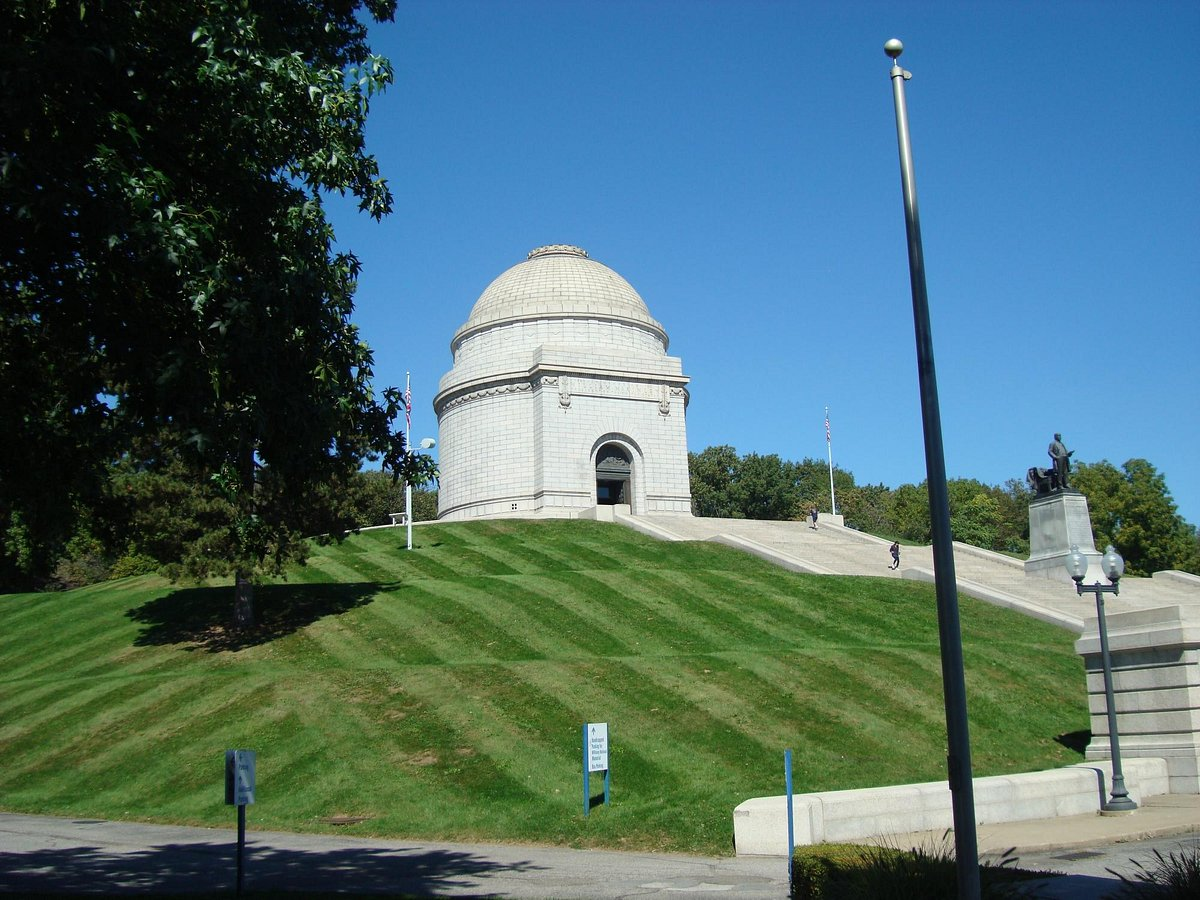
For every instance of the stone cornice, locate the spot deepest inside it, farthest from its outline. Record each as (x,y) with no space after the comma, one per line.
(538,375)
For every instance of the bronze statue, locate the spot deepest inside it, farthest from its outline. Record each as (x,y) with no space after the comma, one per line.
(1062,461)
(1041,481)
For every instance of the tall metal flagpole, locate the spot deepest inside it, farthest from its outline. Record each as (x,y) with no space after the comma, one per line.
(829,450)
(408,443)
(966,848)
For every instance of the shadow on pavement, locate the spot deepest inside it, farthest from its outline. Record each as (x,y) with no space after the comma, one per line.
(1069,887)
(201,868)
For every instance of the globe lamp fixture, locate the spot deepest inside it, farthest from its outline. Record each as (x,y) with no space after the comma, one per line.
(1114,567)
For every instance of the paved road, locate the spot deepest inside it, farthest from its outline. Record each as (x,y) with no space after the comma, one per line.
(1090,868)
(87,856)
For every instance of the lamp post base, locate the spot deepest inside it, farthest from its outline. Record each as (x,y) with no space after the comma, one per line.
(1109,810)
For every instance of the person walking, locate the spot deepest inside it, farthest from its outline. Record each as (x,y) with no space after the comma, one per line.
(895,549)
(813,514)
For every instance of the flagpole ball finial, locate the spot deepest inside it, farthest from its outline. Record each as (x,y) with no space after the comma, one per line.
(894,48)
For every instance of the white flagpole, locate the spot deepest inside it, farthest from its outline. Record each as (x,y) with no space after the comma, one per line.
(408,443)
(829,450)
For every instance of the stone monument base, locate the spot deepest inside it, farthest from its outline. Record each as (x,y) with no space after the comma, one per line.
(1056,521)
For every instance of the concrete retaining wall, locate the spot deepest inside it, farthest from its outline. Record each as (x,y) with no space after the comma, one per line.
(760,824)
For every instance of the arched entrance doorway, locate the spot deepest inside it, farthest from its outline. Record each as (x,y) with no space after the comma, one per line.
(613,468)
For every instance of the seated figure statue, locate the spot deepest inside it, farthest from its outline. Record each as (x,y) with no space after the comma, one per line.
(1041,481)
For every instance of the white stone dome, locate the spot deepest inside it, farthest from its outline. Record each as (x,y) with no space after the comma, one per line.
(561,398)
(558,281)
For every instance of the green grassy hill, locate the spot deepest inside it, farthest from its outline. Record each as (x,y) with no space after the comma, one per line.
(441,692)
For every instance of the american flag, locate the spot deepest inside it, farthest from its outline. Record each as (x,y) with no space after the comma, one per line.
(407,407)
(827,426)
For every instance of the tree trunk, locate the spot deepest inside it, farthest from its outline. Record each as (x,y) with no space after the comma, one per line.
(243,604)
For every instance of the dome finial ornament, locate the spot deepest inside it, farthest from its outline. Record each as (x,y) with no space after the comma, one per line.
(558,250)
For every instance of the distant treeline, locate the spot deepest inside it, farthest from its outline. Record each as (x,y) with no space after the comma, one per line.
(1130,506)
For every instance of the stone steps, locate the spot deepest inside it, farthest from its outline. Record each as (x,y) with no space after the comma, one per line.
(831,548)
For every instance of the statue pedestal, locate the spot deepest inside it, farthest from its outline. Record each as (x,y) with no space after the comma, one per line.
(1057,521)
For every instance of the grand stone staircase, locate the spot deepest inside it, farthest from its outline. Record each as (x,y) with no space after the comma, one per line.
(831,549)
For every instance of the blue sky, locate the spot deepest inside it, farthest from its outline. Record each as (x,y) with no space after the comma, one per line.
(736,162)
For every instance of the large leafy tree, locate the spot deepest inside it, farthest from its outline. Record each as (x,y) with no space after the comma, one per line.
(166,267)
(765,487)
(1132,509)
(759,486)
(712,473)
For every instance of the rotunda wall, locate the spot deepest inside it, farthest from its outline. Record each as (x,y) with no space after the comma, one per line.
(503,341)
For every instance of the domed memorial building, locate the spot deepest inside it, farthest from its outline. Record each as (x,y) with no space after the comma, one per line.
(562,401)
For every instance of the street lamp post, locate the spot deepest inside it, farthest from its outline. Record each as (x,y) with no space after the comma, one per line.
(958,755)
(426,444)
(1114,567)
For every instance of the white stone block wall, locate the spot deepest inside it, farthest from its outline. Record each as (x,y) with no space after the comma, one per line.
(528,448)
(1156,685)
(486,448)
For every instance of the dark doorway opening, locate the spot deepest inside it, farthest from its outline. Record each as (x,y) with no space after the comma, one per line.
(613,468)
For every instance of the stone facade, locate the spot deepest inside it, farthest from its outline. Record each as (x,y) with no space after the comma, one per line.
(1156,686)
(559,370)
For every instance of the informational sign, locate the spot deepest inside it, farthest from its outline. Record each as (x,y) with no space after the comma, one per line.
(597,747)
(595,759)
(239,777)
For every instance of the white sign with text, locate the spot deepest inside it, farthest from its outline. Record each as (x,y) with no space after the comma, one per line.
(597,746)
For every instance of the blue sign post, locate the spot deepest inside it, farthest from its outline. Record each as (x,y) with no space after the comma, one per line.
(595,759)
(787,780)
(239,791)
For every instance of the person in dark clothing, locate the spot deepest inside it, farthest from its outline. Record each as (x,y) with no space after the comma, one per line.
(895,548)
(813,513)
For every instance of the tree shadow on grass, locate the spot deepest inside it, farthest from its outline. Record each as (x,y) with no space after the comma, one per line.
(208,869)
(202,617)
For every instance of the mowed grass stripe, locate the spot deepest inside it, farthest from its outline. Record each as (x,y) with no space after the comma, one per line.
(706,599)
(336,569)
(344,644)
(79,625)
(365,566)
(444,762)
(464,609)
(655,716)
(95,642)
(447,629)
(474,539)
(727,690)
(575,622)
(492,714)
(682,618)
(441,691)
(633,607)
(184,773)
(421,628)
(394,619)
(549,630)
(76,752)
(507,552)
(471,556)
(808,617)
